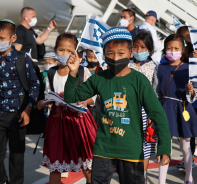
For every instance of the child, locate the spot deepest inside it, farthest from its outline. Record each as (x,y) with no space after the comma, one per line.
(189,52)
(49,61)
(94,67)
(143,49)
(171,86)
(70,136)
(92,61)
(123,92)
(14,108)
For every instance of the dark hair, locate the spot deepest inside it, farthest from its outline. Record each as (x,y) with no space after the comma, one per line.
(173,37)
(130,12)
(8,26)
(147,40)
(182,30)
(120,41)
(66,36)
(88,50)
(26,8)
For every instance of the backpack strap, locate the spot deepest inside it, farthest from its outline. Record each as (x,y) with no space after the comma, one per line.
(170,81)
(81,76)
(50,75)
(21,69)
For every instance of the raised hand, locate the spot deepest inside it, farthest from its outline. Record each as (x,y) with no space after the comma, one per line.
(73,63)
(52,25)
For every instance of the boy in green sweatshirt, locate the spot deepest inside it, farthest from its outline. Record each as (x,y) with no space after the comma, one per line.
(123,92)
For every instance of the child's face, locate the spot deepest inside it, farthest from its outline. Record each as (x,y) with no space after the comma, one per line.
(139,46)
(48,62)
(91,57)
(174,46)
(117,51)
(6,36)
(65,47)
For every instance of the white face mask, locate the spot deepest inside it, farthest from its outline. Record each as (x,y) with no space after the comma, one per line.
(125,22)
(33,22)
(4,46)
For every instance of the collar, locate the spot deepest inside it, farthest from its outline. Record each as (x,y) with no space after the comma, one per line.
(11,55)
(147,24)
(143,62)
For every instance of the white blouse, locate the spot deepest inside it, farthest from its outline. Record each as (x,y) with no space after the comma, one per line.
(59,83)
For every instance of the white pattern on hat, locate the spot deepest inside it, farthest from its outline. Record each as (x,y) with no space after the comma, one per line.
(50,55)
(116,33)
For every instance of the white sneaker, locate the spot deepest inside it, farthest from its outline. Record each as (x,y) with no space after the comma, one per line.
(64,175)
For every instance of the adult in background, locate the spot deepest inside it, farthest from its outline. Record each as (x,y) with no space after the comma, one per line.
(127,21)
(150,20)
(26,36)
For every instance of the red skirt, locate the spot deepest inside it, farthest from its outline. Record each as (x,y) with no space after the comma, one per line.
(69,140)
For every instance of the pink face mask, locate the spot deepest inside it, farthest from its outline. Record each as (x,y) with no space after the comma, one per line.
(173,56)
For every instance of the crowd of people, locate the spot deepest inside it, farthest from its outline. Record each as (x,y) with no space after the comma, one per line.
(135,93)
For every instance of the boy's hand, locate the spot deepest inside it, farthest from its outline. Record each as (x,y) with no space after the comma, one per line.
(195,54)
(83,104)
(25,116)
(165,160)
(189,88)
(73,64)
(40,105)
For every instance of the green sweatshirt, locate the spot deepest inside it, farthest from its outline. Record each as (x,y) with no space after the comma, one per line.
(120,129)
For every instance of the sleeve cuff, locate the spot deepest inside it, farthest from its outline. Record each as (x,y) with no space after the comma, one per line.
(73,79)
(191,99)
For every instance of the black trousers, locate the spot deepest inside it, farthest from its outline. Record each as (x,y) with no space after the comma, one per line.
(129,172)
(11,131)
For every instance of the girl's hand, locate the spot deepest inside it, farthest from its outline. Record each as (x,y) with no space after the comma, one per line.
(165,160)
(73,64)
(195,54)
(148,122)
(189,88)
(83,104)
(40,105)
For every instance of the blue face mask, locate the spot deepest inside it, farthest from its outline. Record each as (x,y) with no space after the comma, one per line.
(153,25)
(46,68)
(142,56)
(62,59)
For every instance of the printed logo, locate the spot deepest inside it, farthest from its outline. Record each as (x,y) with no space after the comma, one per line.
(119,103)
(125,120)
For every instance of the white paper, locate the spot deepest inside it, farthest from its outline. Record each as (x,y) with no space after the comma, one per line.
(56,98)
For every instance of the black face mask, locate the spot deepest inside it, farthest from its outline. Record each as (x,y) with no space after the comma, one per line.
(118,65)
(92,64)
